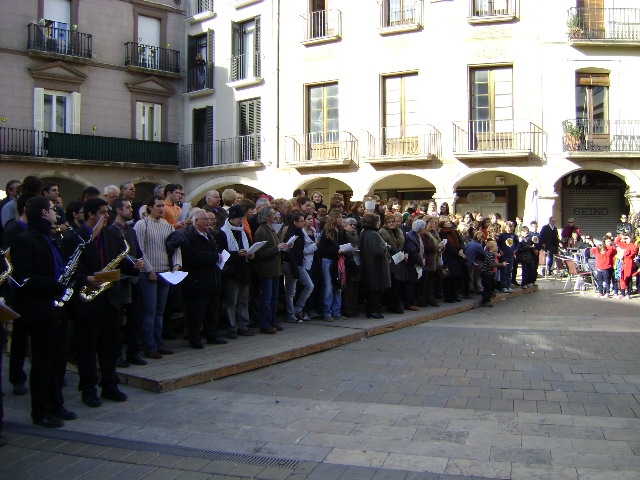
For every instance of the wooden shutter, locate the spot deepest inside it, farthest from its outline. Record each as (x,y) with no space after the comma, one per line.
(211,42)
(75,113)
(38,109)
(250,117)
(139,114)
(157,123)
(209,118)
(256,49)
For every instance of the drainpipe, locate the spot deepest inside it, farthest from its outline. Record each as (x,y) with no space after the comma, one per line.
(277,24)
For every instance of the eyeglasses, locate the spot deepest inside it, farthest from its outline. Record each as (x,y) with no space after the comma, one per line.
(570,223)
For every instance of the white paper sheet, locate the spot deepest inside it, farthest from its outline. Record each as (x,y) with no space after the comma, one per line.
(174,278)
(185,211)
(277,227)
(292,240)
(255,247)
(398,257)
(224,256)
(347,247)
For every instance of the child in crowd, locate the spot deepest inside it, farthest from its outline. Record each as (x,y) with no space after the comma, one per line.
(524,257)
(489,268)
(604,255)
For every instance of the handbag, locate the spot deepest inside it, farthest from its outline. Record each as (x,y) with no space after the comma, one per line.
(443,271)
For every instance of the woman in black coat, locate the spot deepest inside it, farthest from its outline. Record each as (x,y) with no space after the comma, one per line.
(453,256)
(414,248)
(375,264)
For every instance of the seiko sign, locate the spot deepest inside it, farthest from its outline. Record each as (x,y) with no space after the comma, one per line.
(481,197)
(590,212)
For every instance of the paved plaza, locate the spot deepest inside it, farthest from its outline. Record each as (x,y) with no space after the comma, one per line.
(542,386)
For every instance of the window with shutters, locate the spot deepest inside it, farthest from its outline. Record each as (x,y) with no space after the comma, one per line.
(202,137)
(56,22)
(398,12)
(400,114)
(200,49)
(245,59)
(592,109)
(491,103)
(149,121)
(249,130)
(323,122)
(56,111)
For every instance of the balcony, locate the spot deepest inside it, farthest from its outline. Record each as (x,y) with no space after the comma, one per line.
(150,59)
(245,70)
(35,143)
(402,145)
(236,152)
(497,139)
(330,149)
(586,138)
(322,26)
(493,11)
(406,18)
(51,42)
(199,10)
(604,27)
(199,81)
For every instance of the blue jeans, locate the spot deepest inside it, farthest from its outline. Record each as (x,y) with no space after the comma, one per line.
(603,277)
(269,288)
(505,273)
(332,300)
(290,284)
(154,298)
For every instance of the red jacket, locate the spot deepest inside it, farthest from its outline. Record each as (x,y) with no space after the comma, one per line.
(630,252)
(604,260)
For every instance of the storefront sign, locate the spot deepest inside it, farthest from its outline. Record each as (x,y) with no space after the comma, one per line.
(590,211)
(480,197)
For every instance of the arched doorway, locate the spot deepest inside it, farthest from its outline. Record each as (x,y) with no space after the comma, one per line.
(594,199)
(492,192)
(405,188)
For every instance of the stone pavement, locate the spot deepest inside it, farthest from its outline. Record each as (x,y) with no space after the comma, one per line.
(543,386)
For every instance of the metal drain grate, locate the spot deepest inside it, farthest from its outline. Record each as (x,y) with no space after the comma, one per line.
(175,450)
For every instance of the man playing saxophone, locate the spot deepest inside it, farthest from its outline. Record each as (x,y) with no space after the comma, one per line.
(37,264)
(97,321)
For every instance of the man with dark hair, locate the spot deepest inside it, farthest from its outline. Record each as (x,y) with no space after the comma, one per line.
(130,298)
(97,320)
(38,263)
(51,192)
(173,195)
(31,186)
(550,242)
(298,192)
(89,192)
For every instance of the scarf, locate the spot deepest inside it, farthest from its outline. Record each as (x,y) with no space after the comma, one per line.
(393,236)
(232,243)
(452,236)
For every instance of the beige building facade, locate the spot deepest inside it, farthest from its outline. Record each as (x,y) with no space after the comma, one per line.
(510,106)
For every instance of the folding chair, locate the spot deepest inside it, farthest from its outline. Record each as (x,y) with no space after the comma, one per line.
(561,267)
(581,276)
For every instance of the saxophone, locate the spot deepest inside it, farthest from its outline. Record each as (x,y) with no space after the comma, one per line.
(88,293)
(9,268)
(67,276)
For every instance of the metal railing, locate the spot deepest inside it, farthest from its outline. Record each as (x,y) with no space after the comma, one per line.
(409,13)
(493,8)
(47,38)
(35,143)
(478,136)
(199,78)
(406,141)
(322,23)
(228,151)
(325,147)
(601,135)
(152,58)
(194,7)
(244,66)
(604,24)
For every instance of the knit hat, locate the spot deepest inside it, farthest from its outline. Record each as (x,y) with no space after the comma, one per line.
(236,211)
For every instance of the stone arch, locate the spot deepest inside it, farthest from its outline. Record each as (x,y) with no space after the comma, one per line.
(371,186)
(629,176)
(214,183)
(66,175)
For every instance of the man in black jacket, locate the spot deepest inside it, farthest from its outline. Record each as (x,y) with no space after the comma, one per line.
(38,263)
(550,241)
(201,288)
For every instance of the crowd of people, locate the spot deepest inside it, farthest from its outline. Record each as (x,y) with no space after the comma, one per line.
(331,261)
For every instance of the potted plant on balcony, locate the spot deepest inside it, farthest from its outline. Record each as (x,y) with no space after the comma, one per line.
(575,27)
(572,136)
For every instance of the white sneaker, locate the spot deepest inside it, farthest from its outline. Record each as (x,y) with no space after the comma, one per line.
(509,290)
(506,290)
(525,286)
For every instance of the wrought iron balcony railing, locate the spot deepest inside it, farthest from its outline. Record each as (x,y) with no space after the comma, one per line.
(323,148)
(199,78)
(195,7)
(407,142)
(151,58)
(322,24)
(584,135)
(244,67)
(607,25)
(504,137)
(35,143)
(400,14)
(228,151)
(489,9)
(50,39)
